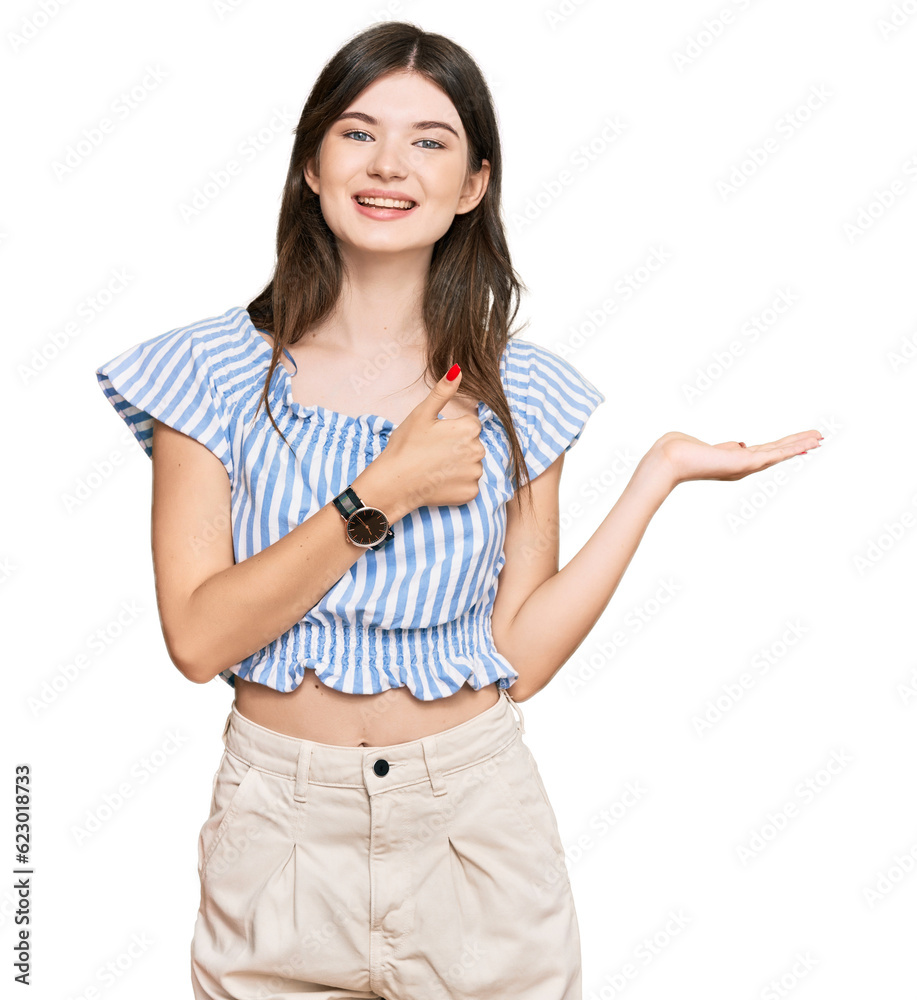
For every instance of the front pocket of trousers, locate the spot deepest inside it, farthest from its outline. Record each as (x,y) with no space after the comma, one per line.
(523,790)
(233,777)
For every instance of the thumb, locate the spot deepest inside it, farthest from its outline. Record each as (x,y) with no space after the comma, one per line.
(441,393)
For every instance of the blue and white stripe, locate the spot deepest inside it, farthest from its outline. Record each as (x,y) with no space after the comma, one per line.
(416,612)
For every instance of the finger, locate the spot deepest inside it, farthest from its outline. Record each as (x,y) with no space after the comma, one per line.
(440,394)
(791,439)
(764,456)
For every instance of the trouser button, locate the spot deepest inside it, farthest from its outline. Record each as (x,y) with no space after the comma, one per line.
(381,767)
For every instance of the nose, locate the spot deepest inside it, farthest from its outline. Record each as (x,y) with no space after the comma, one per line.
(390,159)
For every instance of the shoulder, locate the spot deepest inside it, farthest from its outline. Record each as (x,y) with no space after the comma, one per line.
(220,347)
(535,374)
(223,340)
(183,377)
(550,400)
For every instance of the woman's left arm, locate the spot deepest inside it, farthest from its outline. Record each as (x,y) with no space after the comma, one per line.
(542,614)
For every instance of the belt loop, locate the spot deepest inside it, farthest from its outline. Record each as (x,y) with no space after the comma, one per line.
(514,703)
(226,727)
(436,775)
(302,771)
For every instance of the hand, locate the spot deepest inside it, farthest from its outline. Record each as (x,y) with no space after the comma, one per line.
(436,462)
(686,458)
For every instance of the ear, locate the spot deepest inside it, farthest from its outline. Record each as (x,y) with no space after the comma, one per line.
(475,188)
(310,176)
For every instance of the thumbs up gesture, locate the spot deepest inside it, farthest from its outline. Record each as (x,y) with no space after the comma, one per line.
(436,462)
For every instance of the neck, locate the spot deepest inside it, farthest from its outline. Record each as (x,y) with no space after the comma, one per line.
(380,305)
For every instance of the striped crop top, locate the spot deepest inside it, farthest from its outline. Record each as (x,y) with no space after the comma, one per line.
(415,613)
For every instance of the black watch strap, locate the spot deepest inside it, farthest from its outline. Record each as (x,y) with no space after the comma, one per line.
(348,502)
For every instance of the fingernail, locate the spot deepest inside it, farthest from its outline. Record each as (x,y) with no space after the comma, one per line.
(742,444)
(452,373)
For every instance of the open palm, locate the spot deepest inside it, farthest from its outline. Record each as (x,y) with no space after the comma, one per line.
(690,458)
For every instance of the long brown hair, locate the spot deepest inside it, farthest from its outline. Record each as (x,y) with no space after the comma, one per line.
(472,293)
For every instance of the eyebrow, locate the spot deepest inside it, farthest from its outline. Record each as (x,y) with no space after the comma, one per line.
(417,126)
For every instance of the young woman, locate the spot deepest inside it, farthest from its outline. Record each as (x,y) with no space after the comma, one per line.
(355,509)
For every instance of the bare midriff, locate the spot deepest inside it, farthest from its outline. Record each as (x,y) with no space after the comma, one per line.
(317,712)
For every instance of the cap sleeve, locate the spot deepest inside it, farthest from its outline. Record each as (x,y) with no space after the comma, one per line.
(174,378)
(553,404)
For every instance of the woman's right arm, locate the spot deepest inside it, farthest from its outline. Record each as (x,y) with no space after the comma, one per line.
(215,612)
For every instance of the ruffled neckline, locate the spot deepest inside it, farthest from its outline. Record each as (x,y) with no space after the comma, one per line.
(374,421)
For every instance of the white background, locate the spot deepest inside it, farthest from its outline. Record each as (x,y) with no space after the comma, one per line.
(832,87)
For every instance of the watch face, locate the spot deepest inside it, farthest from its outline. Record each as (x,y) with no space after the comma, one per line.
(367,526)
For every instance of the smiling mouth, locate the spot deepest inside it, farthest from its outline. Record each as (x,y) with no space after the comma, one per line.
(403,206)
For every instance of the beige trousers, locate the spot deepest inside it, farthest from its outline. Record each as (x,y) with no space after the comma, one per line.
(428,870)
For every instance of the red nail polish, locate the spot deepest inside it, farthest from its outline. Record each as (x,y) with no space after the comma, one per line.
(452,374)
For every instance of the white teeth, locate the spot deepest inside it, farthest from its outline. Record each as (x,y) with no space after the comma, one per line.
(384,202)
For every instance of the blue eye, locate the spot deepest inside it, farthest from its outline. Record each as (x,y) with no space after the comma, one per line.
(357,131)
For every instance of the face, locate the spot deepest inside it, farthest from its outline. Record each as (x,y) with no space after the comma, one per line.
(402,138)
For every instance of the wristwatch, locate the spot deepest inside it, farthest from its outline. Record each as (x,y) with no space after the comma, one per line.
(367,527)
